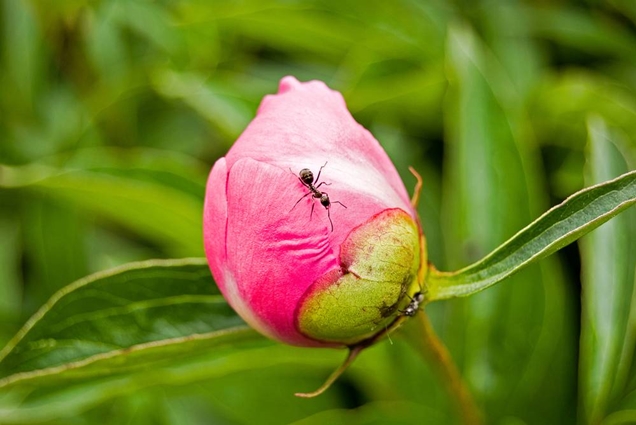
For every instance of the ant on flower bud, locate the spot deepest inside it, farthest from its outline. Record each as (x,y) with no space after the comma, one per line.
(306,177)
(414,305)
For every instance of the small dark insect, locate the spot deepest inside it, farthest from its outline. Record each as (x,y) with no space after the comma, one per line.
(413,307)
(306,177)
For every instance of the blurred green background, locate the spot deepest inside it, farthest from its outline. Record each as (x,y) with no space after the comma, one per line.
(113,111)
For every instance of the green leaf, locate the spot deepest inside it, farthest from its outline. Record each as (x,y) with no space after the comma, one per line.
(492,188)
(10,288)
(53,240)
(159,205)
(124,328)
(607,257)
(378,412)
(561,225)
(211,101)
(571,26)
(139,307)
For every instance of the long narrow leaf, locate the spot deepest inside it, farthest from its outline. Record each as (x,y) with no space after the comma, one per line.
(486,132)
(577,215)
(607,338)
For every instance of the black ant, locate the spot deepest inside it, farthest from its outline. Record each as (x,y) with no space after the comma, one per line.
(414,306)
(306,177)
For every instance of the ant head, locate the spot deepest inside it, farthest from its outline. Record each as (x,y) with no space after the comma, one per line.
(418,296)
(306,176)
(324,200)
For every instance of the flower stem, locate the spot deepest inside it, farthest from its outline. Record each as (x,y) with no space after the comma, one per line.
(438,356)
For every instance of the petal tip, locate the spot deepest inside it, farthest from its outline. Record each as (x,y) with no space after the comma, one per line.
(287,83)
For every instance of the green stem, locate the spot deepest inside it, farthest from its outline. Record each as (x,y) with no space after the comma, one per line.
(439,358)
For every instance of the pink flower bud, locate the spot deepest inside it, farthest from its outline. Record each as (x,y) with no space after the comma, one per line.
(280,265)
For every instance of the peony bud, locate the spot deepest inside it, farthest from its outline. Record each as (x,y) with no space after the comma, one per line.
(270,243)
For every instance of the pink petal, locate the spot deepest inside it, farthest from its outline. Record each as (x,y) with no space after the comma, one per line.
(307,124)
(274,252)
(215,219)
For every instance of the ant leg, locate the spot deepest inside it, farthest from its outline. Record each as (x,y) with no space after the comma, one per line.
(319,171)
(329,216)
(338,202)
(296,175)
(301,198)
(303,183)
(313,204)
(326,184)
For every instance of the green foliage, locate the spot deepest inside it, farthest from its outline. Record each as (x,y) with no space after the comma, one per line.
(121,312)
(114,111)
(576,216)
(607,335)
